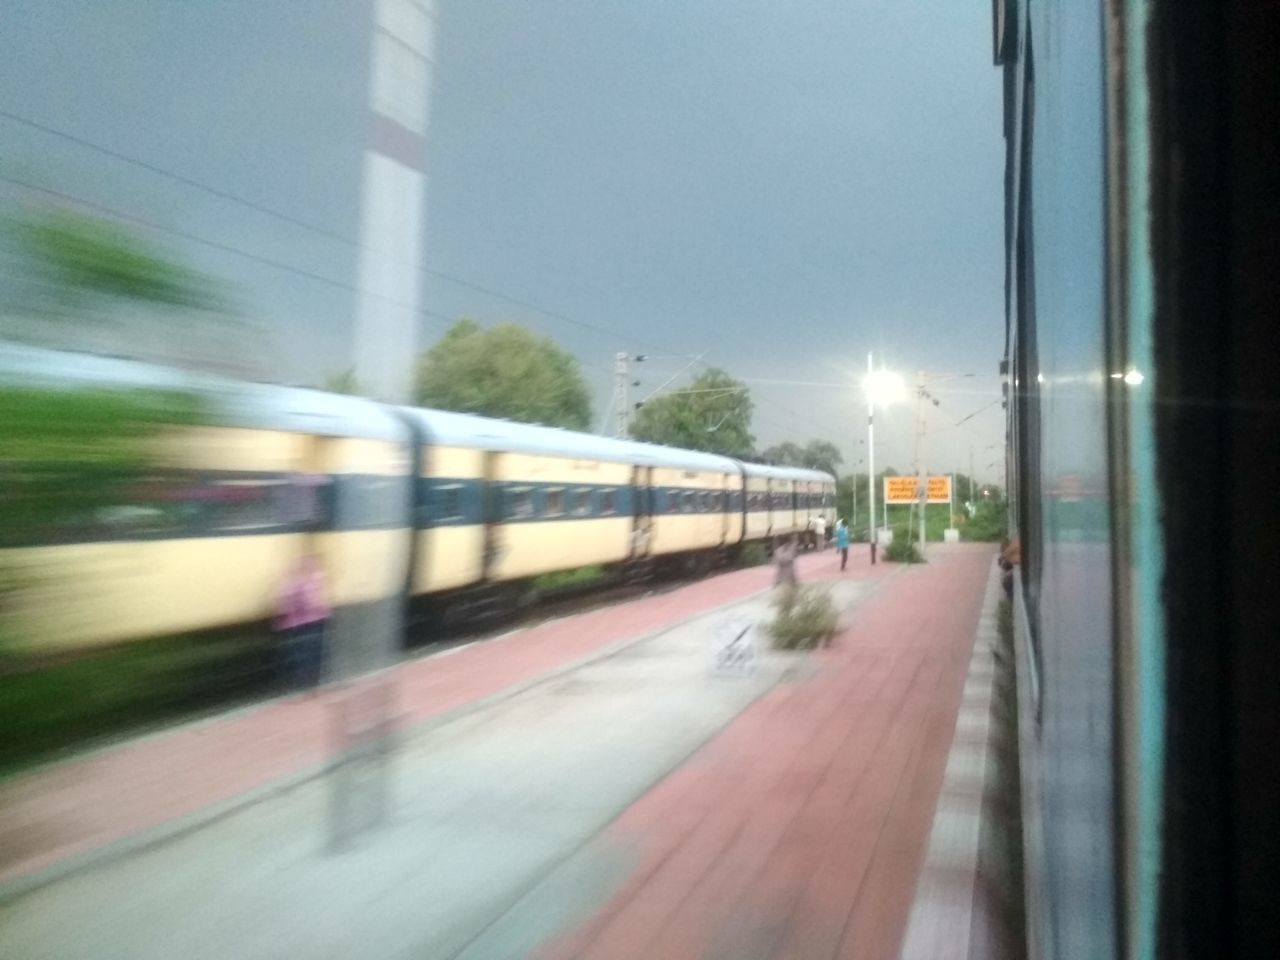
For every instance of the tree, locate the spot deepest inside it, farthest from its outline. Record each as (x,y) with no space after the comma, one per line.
(342,382)
(821,455)
(785,454)
(80,257)
(815,455)
(504,371)
(713,414)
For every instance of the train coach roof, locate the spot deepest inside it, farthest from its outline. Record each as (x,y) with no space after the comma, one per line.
(230,402)
(787,473)
(467,430)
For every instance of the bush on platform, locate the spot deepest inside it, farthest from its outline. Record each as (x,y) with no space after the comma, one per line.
(753,555)
(805,618)
(903,549)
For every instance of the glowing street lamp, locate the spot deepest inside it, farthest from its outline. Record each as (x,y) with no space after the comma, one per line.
(882,388)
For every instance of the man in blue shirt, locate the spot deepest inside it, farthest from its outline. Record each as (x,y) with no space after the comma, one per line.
(842,542)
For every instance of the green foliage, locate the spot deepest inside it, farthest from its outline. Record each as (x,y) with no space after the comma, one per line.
(903,549)
(342,382)
(77,256)
(804,618)
(785,454)
(78,702)
(988,523)
(505,371)
(713,414)
(561,579)
(815,455)
(68,453)
(821,455)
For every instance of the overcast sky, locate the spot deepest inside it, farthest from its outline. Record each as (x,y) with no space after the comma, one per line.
(779,186)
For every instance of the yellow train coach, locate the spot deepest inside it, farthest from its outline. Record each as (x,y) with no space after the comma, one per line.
(500,502)
(207,516)
(216,508)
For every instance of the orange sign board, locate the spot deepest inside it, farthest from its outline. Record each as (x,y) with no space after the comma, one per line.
(907,489)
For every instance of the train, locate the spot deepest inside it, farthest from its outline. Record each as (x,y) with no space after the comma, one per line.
(411,511)
(1143,408)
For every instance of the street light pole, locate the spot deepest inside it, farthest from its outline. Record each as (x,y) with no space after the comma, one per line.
(921,478)
(853,482)
(871,464)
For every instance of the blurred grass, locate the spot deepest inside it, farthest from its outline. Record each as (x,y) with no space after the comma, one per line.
(563,579)
(987,525)
(52,709)
(805,618)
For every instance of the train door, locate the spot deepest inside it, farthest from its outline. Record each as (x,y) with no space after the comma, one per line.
(491,499)
(360,524)
(723,506)
(769,506)
(641,511)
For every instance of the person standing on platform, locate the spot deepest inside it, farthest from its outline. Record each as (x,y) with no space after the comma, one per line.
(820,532)
(302,614)
(842,542)
(784,555)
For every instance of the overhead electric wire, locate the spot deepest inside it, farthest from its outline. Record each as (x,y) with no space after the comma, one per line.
(351,242)
(213,244)
(319,230)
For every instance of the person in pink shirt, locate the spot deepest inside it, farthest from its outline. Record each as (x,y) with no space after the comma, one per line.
(302,613)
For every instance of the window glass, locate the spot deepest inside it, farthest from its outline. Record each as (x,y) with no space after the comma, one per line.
(242,504)
(609,502)
(581,503)
(554,502)
(519,503)
(447,502)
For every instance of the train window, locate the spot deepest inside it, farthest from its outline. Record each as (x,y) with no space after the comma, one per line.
(242,504)
(447,502)
(306,502)
(609,502)
(519,503)
(554,504)
(581,503)
(689,506)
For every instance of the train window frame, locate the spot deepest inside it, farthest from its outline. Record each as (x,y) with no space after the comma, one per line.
(553,499)
(448,495)
(519,503)
(268,502)
(609,502)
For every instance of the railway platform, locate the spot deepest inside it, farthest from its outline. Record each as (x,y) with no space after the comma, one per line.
(587,787)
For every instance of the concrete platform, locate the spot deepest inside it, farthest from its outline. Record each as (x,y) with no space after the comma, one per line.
(615,798)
